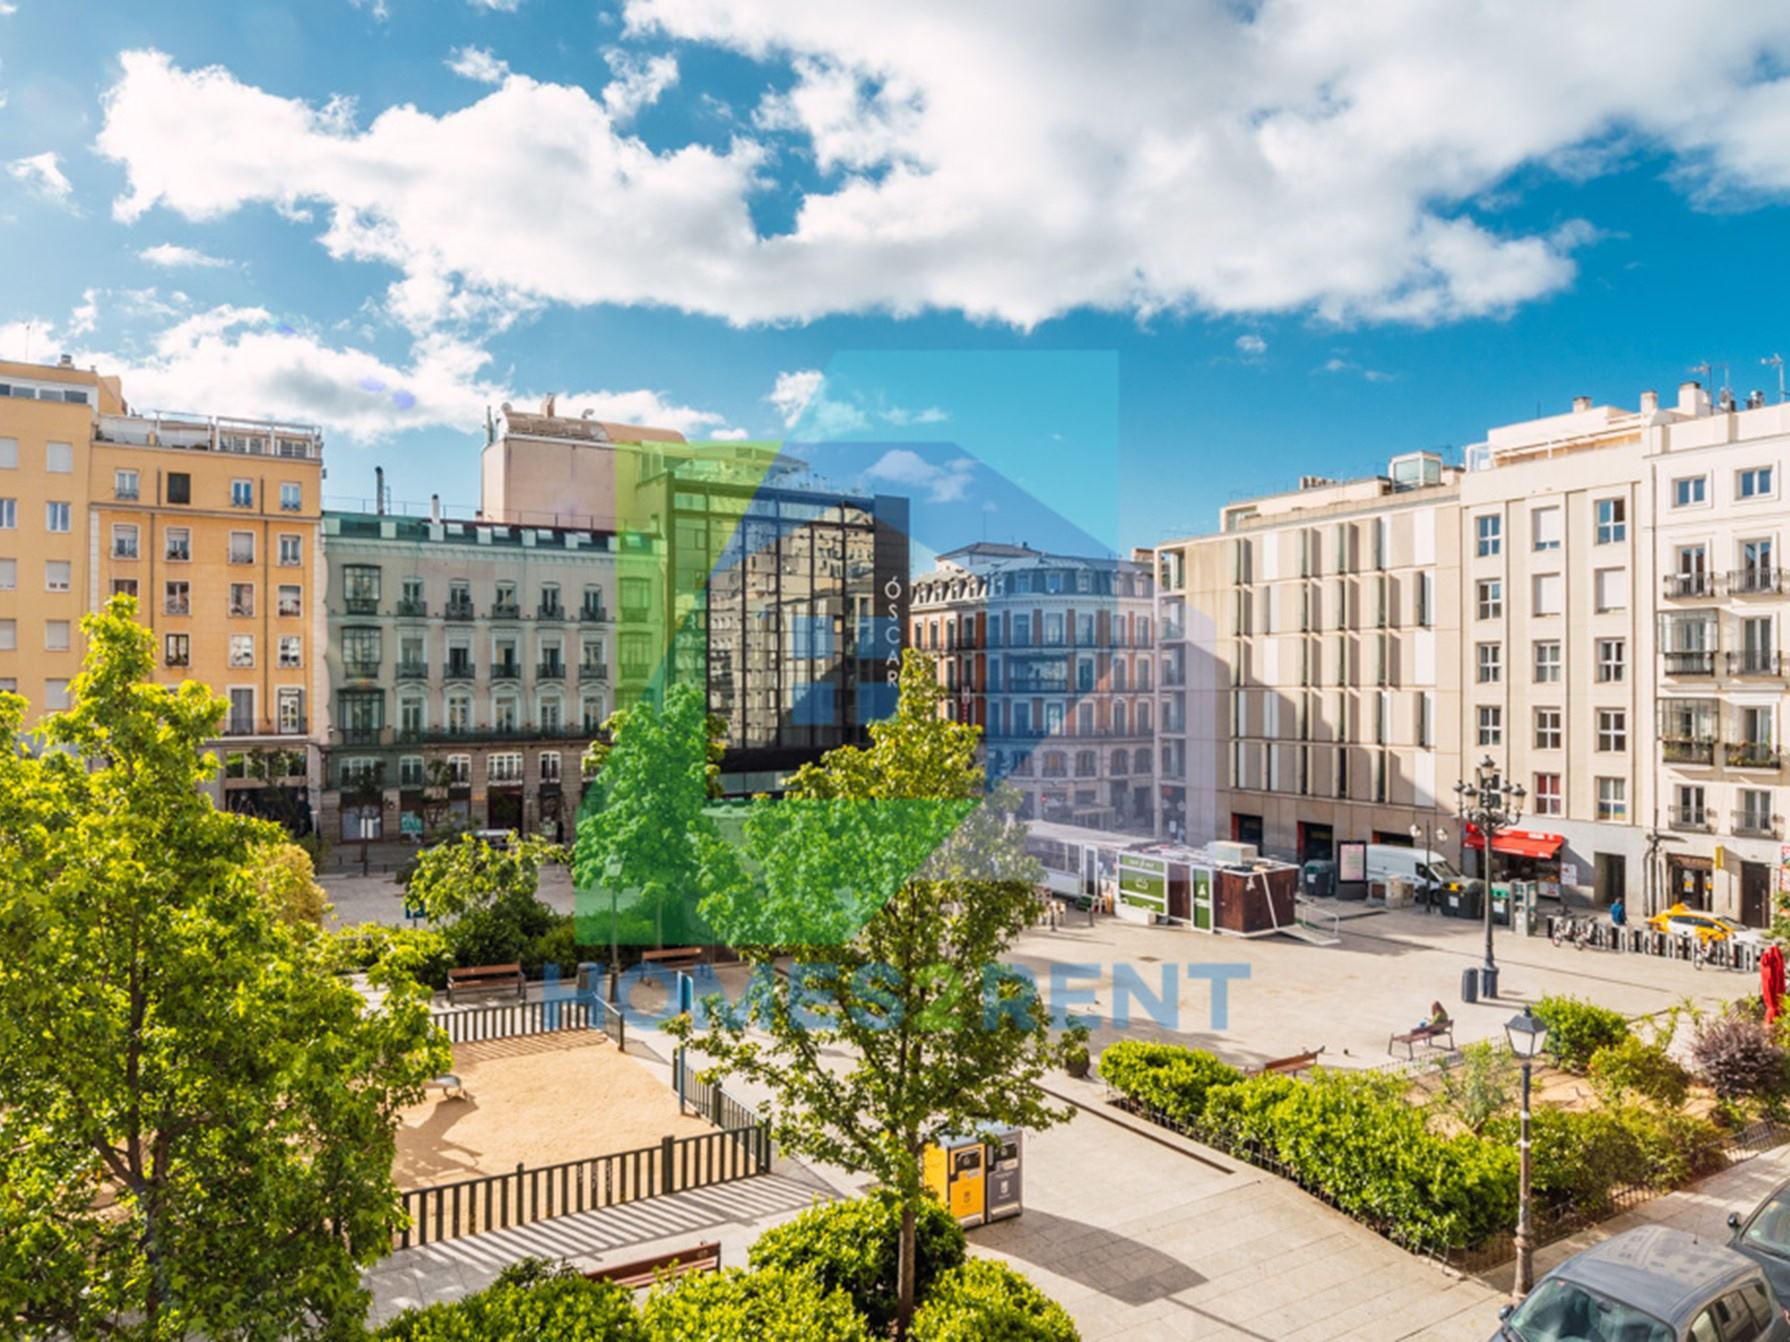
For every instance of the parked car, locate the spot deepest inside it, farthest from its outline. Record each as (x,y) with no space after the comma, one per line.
(1764,1237)
(1683,921)
(1654,1284)
(1428,871)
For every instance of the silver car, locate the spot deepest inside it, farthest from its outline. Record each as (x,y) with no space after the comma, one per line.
(1655,1284)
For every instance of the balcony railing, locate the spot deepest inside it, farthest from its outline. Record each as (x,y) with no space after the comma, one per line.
(361,669)
(593,671)
(547,612)
(413,670)
(550,671)
(1753,755)
(459,670)
(361,605)
(1755,580)
(1692,818)
(359,736)
(1687,750)
(506,671)
(505,610)
(593,614)
(458,610)
(397,736)
(1758,826)
(1690,663)
(177,608)
(414,610)
(1756,662)
(1690,584)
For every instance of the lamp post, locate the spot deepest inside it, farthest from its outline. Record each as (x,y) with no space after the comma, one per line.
(1489,804)
(1526,1034)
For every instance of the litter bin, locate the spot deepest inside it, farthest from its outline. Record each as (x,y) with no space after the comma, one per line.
(1319,879)
(1470,986)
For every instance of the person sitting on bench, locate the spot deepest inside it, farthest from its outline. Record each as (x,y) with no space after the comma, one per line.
(1437,1020)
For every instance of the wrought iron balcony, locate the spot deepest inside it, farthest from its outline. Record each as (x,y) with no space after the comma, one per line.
(1690,663)
(1756,662)
(550,671)
(593,614)
(459,669)
(593,671)
(505,610)
(506,670)
(1689,818)
(458,610)
(361,668)
(413,670)
(550,612)
(361,605)
(1687,750)
(1755,580)
(414,610)
(238,725)
(1683,585)
(1758,826)
(1753,755)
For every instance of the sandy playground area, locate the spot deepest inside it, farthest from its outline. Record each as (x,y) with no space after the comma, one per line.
(537,1100)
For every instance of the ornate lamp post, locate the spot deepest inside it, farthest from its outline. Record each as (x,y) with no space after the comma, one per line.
(1526,1035)
(1489,804)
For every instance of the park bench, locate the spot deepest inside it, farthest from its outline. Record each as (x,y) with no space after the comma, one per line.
(647,1271)
(452,1087)
(1423,1034)
(1292,1066)
(673,957)
(486,978)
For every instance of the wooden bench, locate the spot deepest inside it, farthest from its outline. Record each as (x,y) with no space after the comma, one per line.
(452,1087)
(647,1271)
(1292,1066)
(486,978)
(673,957)
(1423,1034)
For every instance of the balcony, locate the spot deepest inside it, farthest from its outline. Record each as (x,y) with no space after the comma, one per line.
(507,670)
(550,612)
(1755,580)
(413,670)
(359,736)
(361,605)
(593,614)
(1687,750)
(414,610)
(1758,826)
(1690,663)
(1756,662)
(1753,755)
(505,610)
(356,668)
(177,608)
(459,669)
(1688,819)
(1689,585)
(458,609)
(593,671)
(550,671)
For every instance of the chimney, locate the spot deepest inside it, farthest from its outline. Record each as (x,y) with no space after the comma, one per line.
(379,490)
(435,507)
(1649,402)
(1580,404)
(548,404)
(66,361)
(1692,399)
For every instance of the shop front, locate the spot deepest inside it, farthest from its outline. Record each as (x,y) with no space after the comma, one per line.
(1519,855)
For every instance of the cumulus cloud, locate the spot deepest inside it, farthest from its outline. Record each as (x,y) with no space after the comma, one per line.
(171,256)
(1288,155)
(42,175)
(943,483)
(497,6)
(810,409)
(479,65)
(1251,346)
(637,83)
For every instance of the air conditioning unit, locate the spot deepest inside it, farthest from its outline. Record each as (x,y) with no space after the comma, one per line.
(1234,854)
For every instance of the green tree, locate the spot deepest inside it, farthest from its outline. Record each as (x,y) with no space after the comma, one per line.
(198,1127)
(485,896)
(896,885)
(285,877)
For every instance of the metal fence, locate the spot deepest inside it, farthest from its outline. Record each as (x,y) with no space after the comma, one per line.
(1727,953)
(551,1015)
(696,1096)
(525,1196)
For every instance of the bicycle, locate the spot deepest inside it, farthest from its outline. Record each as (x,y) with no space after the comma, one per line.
(1577,931)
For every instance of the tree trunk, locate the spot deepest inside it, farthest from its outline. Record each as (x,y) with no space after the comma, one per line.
(904,1271)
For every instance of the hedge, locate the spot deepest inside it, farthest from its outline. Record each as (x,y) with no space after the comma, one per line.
(564,1308)
(773,1304)
(986,1301)
(1577,1030)
(1165,1077)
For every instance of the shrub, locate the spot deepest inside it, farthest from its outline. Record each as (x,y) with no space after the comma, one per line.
(1577,1029)
(1577,1158)
(986,1301)
(1165,1077)
(855,1247)
(1676,1147)
(1737,1057)
(566,1308)
(1479,1087)
(1634,1068)
(773,1304)
(420,952)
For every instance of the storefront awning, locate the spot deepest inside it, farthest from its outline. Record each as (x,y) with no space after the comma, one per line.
(1518,843)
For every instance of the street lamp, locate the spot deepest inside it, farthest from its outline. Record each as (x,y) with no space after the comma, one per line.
(1489,804)
(1526,1034)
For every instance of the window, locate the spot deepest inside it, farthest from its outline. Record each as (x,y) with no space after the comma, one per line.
(56,694)
(1755,811)
(56,516)
(177,649)
(1612,729)
(1612,521)
(410,715)
(292,650)
(9,635)
(1612,799)
(58,575)
(1489,533)
(290,705)
(1491,663)
(1491,725)
(124,540)
(1545,526)
(9,574)
(1690,491)
(1690,807)
(56,635)
(242,493)
(176,598)
(242,547)
(1547,728)
(9,454)
(637,596)
(1612,660)
(180,487)
(1610,588)
(242,650)
(9,514)
(1546,794)
(242,599)
(290,600)
(504,768)
(1549,594)
(1426,599)
(1491,598)
(1547,662)
(1754,483)
(410,771)
(291,497)
(291,550)
(59,458)
(550,766)
(124,485)
(459,770)
(177,544)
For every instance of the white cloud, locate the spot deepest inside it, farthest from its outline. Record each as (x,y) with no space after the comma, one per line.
(904,467)
(169,256)
(479,65)
(1281,155)
(808,410)
(793,392)
(42,174)
(1251,346)
(86,316)
(7,7)
(637,83)
(497,6)
(1341,365)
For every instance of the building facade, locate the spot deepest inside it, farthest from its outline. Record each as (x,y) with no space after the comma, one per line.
(1053,657)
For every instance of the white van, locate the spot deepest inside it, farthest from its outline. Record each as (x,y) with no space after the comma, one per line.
(1427,870)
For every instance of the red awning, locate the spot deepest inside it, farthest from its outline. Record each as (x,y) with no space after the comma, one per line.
(1518,843)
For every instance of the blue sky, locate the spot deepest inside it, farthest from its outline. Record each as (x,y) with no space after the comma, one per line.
(1137,265)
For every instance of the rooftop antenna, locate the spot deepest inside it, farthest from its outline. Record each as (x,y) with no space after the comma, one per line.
(1777,361)
(28,342)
